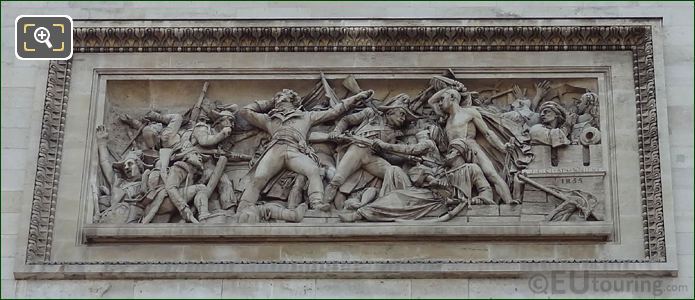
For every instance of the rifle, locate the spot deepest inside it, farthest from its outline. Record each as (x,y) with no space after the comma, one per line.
(425,161)
(195,112)
(231,156)
(127,146)
(319,137)
(367,142)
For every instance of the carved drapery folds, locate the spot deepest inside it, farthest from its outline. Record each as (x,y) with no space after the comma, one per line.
(345,39)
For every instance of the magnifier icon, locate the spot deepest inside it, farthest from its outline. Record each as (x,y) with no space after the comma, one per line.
(42,35)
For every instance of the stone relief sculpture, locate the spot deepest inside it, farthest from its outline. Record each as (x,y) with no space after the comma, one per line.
(430,158)
(289,126)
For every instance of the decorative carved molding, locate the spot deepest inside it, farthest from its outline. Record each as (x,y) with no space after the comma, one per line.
(341,39)
(637,39)
(648,136)
(354,262)
(48,163)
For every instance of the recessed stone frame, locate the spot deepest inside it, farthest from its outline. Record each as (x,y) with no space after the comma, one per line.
(635,38)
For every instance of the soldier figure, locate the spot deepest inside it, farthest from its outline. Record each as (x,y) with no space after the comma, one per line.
(125,184)
(463,124)
(465,176)
(553,128)
(382,124)
(289,125)
(208,137)
(428,168)
(185,174)
(584,115)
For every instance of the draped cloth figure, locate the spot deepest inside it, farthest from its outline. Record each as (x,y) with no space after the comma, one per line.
(399,200)
(508,131)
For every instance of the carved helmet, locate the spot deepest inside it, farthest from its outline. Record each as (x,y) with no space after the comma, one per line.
(219,116)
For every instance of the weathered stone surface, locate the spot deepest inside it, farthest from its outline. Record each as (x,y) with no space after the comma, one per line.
(494,219)
(533,218)
(8,289)
(75,289)
(678,83)
(483,210)
(7,268)
(507,251)
(383,251)
(10,223)
(247,289)
(510,210)
(576,251)
(438,288)
(535,197)
(294,288)
(177,288)
(508,288)
(11,201)
(536,208)
(10,245)
(363,288)
(75,163)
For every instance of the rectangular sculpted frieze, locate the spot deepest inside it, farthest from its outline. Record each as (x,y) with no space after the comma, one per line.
(388,148)
(321,151)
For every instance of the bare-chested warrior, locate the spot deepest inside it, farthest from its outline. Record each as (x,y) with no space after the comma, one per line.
(289,126)
(463,124)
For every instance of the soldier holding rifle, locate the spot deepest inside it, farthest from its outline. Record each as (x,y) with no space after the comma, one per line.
(382,123)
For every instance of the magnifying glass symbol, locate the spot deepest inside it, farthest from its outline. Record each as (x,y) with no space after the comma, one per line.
(42,35)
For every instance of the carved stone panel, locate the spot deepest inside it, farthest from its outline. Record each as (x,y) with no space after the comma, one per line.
(420,166)
(498,147)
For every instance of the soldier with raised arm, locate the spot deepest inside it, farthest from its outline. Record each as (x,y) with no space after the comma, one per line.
(283,118)
(463,125)
(383,123)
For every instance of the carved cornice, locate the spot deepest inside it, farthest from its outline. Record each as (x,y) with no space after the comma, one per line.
(342,39)
(637,39)
(355,262)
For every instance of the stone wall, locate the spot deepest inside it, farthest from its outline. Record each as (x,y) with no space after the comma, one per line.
(23,81)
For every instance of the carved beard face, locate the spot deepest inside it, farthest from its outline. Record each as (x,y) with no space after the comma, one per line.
(131,169)
(395,117)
